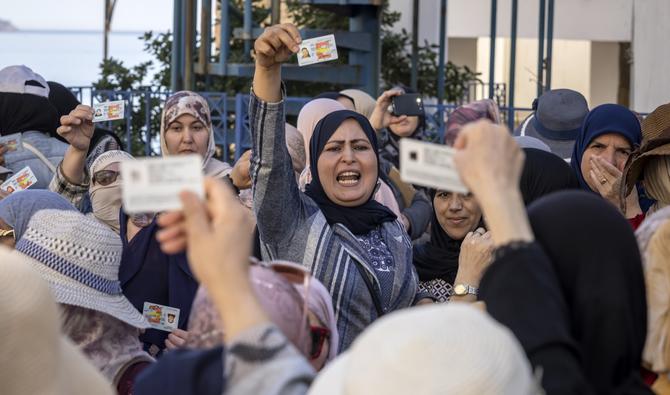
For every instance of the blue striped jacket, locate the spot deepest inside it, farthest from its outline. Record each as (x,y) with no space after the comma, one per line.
(292,228)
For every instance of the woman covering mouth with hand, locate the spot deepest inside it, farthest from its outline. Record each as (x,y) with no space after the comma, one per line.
(352,244)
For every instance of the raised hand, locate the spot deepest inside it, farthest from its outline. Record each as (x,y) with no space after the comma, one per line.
(276,45)
(381,117)
(77,127)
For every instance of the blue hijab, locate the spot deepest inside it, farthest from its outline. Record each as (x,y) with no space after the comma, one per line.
(17,208)
(604,119)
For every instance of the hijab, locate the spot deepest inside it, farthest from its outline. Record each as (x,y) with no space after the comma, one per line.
(480,109)
(65,101)
(544,173)
(361,219)
(106,200)
(24,112)
(438,258)
(364,104)
(187,102)
(597,263)
(111,345)
(296,148)
(17,208)
(310,114)
(604,119)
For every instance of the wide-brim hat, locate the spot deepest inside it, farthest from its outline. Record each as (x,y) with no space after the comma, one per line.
(79,257)
(656,123)
(36,357)
(557,120)
(634,169)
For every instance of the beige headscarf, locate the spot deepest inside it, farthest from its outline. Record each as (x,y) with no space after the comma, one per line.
(187,102)
(296,148)
(364,104)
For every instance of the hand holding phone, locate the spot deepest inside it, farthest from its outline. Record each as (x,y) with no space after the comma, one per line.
(409,104)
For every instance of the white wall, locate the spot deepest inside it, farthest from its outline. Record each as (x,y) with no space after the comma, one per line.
(651,54)
(604,73)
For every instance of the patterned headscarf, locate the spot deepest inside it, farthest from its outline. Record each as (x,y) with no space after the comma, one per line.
(481,109)
(187,102)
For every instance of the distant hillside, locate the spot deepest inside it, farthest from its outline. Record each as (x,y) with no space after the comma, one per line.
(6,26)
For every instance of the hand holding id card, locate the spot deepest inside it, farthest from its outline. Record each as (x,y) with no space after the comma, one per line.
(429,165)
(109,111)
(152,185)
(317,50)
(20,181)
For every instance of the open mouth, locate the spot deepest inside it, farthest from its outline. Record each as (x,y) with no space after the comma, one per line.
(348,178)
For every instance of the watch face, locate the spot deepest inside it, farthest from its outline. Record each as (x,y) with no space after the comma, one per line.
(460,290)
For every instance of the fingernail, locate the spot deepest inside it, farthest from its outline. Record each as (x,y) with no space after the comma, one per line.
(296,48)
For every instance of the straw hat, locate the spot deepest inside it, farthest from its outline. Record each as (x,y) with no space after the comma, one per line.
(655,142)
(439,349)
(79,257)
(36,358)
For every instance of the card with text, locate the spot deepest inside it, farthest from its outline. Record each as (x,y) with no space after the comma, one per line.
(20,181)
(429,165)
(12,142)
(152,185)
(109,111)
(164,318)
(317,50)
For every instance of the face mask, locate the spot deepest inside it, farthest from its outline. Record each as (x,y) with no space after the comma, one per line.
(106,201)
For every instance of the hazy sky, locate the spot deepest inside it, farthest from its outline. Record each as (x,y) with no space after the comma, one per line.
(129,15)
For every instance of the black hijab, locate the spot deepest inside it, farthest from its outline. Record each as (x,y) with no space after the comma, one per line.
(544,173)
(437,258)
(65,101)
(597,263)
(359,220)
(24,112)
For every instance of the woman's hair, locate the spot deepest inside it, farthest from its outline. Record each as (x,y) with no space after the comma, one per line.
(657,180)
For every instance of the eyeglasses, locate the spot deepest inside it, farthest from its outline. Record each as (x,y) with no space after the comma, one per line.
(319,336)
(7,233)
(105,177)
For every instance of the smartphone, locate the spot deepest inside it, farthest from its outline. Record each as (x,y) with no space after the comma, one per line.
(409,104)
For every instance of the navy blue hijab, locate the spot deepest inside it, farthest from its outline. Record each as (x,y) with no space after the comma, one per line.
(359,220)
(604,119)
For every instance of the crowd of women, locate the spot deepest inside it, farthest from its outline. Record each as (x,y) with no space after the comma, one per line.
(312,267)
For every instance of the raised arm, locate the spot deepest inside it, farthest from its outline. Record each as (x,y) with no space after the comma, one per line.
(277,200)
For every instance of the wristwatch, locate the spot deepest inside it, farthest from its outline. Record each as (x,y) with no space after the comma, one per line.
(465,289)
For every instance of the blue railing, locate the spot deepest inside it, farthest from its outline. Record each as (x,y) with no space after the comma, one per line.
(228,113)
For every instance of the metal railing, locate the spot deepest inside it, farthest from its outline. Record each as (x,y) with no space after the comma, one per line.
(140,127)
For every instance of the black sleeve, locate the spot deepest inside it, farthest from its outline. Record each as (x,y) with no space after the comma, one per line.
(521,291)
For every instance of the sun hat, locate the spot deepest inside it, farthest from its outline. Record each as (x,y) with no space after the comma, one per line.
(36,357)
(656,123)
(21,79)
(437,349)
(557,120)
(79,257)
(635,166)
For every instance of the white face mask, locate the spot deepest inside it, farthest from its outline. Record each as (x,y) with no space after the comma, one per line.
(106,201)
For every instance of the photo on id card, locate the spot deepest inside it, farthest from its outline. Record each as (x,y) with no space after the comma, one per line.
(317,50)
(164,318)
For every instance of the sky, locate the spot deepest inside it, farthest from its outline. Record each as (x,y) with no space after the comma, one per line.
(129,15)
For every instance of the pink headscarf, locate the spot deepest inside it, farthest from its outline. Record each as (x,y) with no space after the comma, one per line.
(481,109)
(296,148)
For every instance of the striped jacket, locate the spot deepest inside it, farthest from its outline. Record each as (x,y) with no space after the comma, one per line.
(292,228)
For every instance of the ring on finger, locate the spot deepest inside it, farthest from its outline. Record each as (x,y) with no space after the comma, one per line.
(603,181)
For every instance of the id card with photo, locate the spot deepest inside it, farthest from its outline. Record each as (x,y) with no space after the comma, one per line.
(20,181)
(12,142)
(317,50)
(109,111)
(429,165)
(164,318)
(152,185)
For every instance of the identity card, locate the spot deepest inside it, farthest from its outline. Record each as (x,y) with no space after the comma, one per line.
(429,165)
(20,181)
(164,318)
(109,111)
(12,142)
(317,50)
(152,185)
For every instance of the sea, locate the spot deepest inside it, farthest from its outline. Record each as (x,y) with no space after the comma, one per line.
(69,57)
